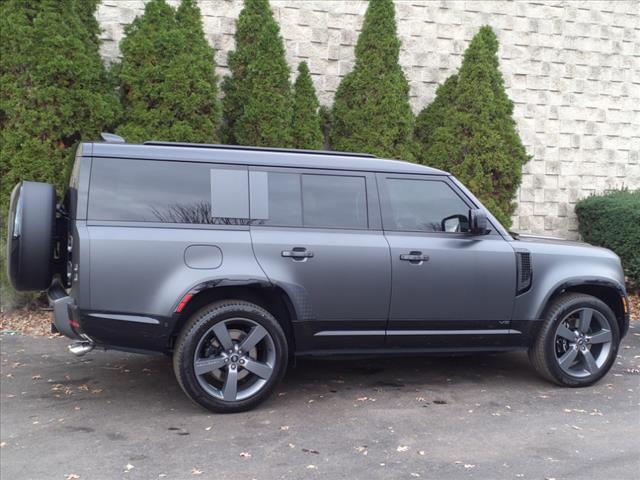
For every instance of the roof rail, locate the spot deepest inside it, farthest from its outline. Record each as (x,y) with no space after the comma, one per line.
(258,149)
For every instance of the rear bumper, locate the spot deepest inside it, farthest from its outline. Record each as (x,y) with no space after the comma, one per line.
(64,311)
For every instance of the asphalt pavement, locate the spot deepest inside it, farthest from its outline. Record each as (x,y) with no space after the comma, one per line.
(112,415)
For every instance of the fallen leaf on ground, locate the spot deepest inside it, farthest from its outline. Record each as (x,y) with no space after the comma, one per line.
(284,428)
(72,476)
(402,448)
(195,471)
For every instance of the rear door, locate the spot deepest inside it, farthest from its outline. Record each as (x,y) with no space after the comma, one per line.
(450,288)
(317,234)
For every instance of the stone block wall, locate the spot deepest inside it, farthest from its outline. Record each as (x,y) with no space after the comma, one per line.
(572,69)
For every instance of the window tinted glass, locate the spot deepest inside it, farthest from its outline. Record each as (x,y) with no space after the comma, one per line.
(285,204)
(150,191)
(334,201)
(423,205)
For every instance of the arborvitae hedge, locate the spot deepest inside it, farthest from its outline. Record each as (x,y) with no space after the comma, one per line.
(433,116)
(476,139)
(306,130)
(257,104)
(613,221)
(371,112)
(54,92)
(167,77)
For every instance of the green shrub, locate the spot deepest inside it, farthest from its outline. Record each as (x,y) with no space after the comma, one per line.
(54,91)
(612,221)
(371,111)
(257,103)
(433,116)
(475,138)
(305,127)
(167,77)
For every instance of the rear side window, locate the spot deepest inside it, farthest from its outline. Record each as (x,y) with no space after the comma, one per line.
(334,201)
(314,200)
(424,206)
(155,191)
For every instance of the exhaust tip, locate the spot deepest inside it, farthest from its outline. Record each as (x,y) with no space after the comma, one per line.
(81,348)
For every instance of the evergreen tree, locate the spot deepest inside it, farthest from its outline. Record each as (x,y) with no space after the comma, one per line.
(306,130)
(86,10)
(54,92)
(257,105)
(371,112)
(478,141)
(433,116)
(167,77)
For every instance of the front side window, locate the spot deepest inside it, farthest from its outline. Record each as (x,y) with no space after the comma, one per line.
(424,206)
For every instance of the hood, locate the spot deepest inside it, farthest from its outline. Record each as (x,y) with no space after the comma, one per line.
(559,246)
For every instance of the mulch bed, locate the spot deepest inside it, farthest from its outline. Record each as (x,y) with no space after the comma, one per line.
(37,322)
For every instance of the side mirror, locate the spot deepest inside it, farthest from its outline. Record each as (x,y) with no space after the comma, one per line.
(478,222)
(454,224)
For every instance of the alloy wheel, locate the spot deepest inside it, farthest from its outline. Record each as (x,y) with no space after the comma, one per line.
(234,359)
(583,342)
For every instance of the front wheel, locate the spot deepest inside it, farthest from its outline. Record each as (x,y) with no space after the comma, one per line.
(578,342)
(230,356)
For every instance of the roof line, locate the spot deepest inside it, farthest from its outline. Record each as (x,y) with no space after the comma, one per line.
(259,149)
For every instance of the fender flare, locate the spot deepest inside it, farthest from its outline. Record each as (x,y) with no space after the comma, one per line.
(579,281)
(213,283)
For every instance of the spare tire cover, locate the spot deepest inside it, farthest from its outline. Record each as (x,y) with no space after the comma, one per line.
(30,239)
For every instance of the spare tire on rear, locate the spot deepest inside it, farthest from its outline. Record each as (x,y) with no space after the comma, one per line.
(30,239)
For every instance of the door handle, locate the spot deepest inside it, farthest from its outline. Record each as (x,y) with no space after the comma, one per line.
(414,257)
(297,253)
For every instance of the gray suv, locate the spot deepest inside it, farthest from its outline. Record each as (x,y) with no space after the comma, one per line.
(234,260)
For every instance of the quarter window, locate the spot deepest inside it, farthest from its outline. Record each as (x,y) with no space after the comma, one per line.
(167,192)
(424,206)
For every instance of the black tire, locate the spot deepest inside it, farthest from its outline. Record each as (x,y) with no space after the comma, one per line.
(30,237)
(194,342)
(550,348)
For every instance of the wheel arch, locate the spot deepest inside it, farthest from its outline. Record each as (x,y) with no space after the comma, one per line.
(610,292)
(272,298)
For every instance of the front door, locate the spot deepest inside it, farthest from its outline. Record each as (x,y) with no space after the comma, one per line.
(450,288)
(320,240)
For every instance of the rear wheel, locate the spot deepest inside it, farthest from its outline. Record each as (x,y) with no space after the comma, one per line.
(230,356)
(578,342)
